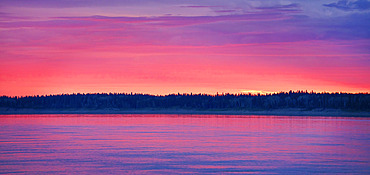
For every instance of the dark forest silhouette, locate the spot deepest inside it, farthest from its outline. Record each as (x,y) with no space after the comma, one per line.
(130,101)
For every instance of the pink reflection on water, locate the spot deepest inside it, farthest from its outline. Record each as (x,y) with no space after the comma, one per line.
(183,143)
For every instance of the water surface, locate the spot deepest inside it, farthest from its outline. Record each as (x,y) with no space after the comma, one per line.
(179,144)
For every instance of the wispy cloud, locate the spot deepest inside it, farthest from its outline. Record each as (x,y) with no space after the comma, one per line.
(350,5)
(256,27)
(11,17)
(183,20)
(200,6)
(281,8)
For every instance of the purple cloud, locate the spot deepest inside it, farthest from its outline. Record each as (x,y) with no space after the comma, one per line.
(200,6)
(182,20)
(11,17)
(257,27)
(262,24)
(281,8)
(225,11)
(350,5)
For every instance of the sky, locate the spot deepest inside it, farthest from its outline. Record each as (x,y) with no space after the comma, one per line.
(183,46)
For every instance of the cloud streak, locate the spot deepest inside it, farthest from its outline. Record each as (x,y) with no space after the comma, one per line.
(350,5)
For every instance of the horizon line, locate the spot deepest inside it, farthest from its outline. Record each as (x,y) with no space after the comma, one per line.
(251,93)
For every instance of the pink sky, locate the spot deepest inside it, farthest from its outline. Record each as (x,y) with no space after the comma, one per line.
(187,46)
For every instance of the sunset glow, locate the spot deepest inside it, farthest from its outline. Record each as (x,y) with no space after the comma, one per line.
(163,46)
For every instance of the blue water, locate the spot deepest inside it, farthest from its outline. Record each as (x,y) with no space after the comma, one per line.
(180,144)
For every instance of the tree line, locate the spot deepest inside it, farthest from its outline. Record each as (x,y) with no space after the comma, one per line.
(130,101)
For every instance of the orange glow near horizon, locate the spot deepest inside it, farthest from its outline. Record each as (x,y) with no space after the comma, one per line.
(163,70)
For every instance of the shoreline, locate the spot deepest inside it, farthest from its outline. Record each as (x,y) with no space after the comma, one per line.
(276,112)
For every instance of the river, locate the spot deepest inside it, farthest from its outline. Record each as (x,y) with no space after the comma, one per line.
(180,144)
